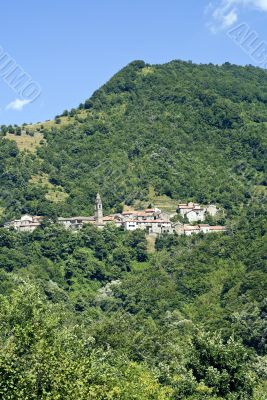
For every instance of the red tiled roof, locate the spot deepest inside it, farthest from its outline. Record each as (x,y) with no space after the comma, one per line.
(108,218)
(137,213)
(149,221)
(191,228)
(141,214)
(159,221)
(30,224)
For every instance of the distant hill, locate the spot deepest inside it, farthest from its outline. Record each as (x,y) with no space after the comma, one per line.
(181,130)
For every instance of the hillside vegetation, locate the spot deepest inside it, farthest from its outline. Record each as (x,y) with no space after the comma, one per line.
(191,132)
(106,314)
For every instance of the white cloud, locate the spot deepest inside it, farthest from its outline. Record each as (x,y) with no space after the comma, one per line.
(224,13)
(230,18)
(259,4)
(17,104)
(224,17)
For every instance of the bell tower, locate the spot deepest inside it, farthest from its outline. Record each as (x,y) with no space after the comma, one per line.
(98,210)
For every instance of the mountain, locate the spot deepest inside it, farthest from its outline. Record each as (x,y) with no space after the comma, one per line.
(191,132)
(101,314)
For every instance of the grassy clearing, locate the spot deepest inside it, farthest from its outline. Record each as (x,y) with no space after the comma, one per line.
(27,142)
(164,202)
(49,124)
(128,208)
(56,194)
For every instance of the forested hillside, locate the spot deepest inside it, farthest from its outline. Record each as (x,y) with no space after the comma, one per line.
(188,131)
(94,314)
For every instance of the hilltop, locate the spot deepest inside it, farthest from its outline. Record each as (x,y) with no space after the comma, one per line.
(177,131)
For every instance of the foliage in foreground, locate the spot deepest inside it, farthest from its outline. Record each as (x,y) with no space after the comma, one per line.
(92,315)
(45,355)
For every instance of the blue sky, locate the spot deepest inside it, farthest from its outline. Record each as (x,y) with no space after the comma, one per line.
(70,48)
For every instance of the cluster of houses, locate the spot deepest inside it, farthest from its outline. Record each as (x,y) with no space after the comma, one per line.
(193,212)
(152,220)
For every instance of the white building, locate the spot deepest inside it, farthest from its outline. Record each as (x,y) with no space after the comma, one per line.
(75,223)
(27,223)
(196,213)
(156,226)
(148,214)
(189,230)
(205,228)
(192,211)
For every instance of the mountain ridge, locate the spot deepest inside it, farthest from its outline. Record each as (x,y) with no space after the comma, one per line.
(191,132)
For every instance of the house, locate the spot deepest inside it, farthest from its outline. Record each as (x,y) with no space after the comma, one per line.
(148,214)
(156,226)
(194,212)
(27,223)
(205,228)
(113,219)
(189,230)
(183,209)
(75,223)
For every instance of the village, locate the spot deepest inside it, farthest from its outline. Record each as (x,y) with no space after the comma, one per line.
(151,220)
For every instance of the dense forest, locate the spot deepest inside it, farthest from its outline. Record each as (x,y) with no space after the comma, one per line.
(94,314)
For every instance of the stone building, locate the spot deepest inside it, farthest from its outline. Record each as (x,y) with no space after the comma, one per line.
(27,223)
(151,226)
(189,230)
(148,214)
(196,213)
(192,211)
(75,223)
